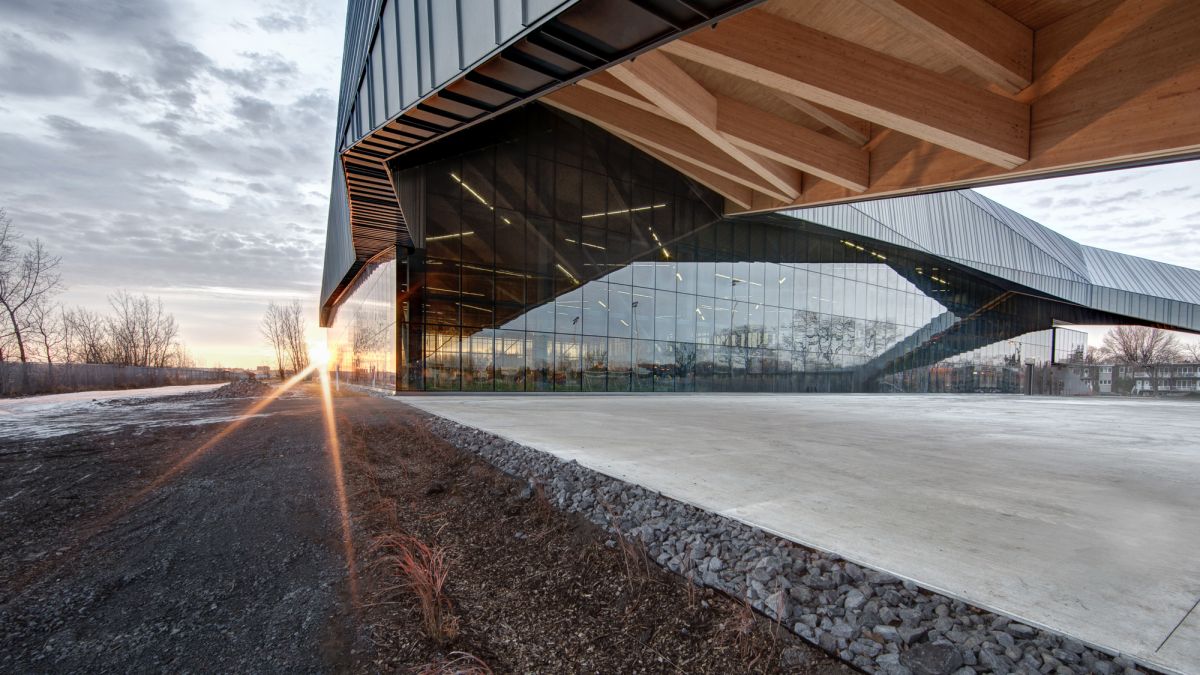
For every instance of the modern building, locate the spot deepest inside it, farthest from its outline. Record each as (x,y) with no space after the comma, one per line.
(517,206)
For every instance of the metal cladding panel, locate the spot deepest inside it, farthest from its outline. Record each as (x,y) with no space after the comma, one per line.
(339,245)
(436,41)
(970,229)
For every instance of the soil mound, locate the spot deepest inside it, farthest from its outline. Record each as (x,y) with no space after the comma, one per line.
(240,389)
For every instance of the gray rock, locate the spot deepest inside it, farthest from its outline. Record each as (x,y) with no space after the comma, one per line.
(801,594)
(886,633)
(997,663)
(1020,630)
(827,642)
(866,647)
(932,659)
(776,605)
(1064,656)
(855,599)
(842,630)
(1005,639)
(911,635)
(766,569)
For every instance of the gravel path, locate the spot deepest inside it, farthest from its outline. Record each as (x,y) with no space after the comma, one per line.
(233,565)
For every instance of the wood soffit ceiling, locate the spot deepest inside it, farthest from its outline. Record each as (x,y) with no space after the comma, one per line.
(802,102)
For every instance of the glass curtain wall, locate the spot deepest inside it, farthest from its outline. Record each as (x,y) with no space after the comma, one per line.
(362,335)
(558,258)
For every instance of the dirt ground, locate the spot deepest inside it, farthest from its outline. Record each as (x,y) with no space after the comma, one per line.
(235,560)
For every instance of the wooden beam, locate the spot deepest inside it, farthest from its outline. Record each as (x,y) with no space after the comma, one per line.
(975,34)
(773,137)
(605,83)
(797,60)
(653,131)
(856,130)
(666,85)
(764,134)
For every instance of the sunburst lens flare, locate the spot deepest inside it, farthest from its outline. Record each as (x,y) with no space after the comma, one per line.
(335,465)
(225,431)
(319,353)
(178,467)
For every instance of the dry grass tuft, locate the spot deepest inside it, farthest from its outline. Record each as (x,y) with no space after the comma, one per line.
(459,663)
(633,552)
(424,571)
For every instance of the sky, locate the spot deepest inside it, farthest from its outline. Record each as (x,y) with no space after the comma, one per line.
(183,149)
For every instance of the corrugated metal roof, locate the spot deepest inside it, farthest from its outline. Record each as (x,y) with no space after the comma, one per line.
(970,229)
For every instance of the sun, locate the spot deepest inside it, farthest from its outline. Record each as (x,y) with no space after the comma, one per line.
(319,353)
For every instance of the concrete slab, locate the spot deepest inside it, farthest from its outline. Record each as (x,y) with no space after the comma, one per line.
(1078,515)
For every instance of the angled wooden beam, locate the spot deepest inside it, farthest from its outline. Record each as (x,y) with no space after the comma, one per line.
(764,134)
(817,67)
(776,138)
(855,130)
(975,34)
(653,131)
(605,83)
(669,87)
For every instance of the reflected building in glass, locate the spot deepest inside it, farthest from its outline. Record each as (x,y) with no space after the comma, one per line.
(543,254)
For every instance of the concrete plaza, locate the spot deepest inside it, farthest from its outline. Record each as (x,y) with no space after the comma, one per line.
(1078,515)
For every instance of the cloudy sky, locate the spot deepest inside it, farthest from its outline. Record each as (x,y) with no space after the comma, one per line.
(177,148)
(183,149)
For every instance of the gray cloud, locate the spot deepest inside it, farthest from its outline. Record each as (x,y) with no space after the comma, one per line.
(264,70)
(29,71)
(280,22)
(107,19)
(172,168)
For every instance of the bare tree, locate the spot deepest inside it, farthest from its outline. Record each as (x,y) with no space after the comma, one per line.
(86,336)
(28,277)
(140,331)
(283,328)
(272,330)
(1191,352)
(48,332)
(297,344)
(1143,347)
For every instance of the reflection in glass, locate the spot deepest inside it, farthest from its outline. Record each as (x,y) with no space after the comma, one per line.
(550,264)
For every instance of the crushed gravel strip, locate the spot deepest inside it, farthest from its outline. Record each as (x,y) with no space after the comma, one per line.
(871,619)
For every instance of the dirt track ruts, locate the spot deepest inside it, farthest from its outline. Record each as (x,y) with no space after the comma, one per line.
(233,565)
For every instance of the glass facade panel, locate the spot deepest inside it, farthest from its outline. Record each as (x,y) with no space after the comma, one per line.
(557,258)
(362,336)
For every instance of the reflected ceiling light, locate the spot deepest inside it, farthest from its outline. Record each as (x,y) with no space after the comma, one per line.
(679,276)
(449,236)
(447,290)
(782,279)
(564,271)
(618,212)
(601,303)
(625,324)
(478,196)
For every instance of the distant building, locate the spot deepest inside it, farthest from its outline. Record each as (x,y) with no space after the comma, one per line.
(1174,378)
